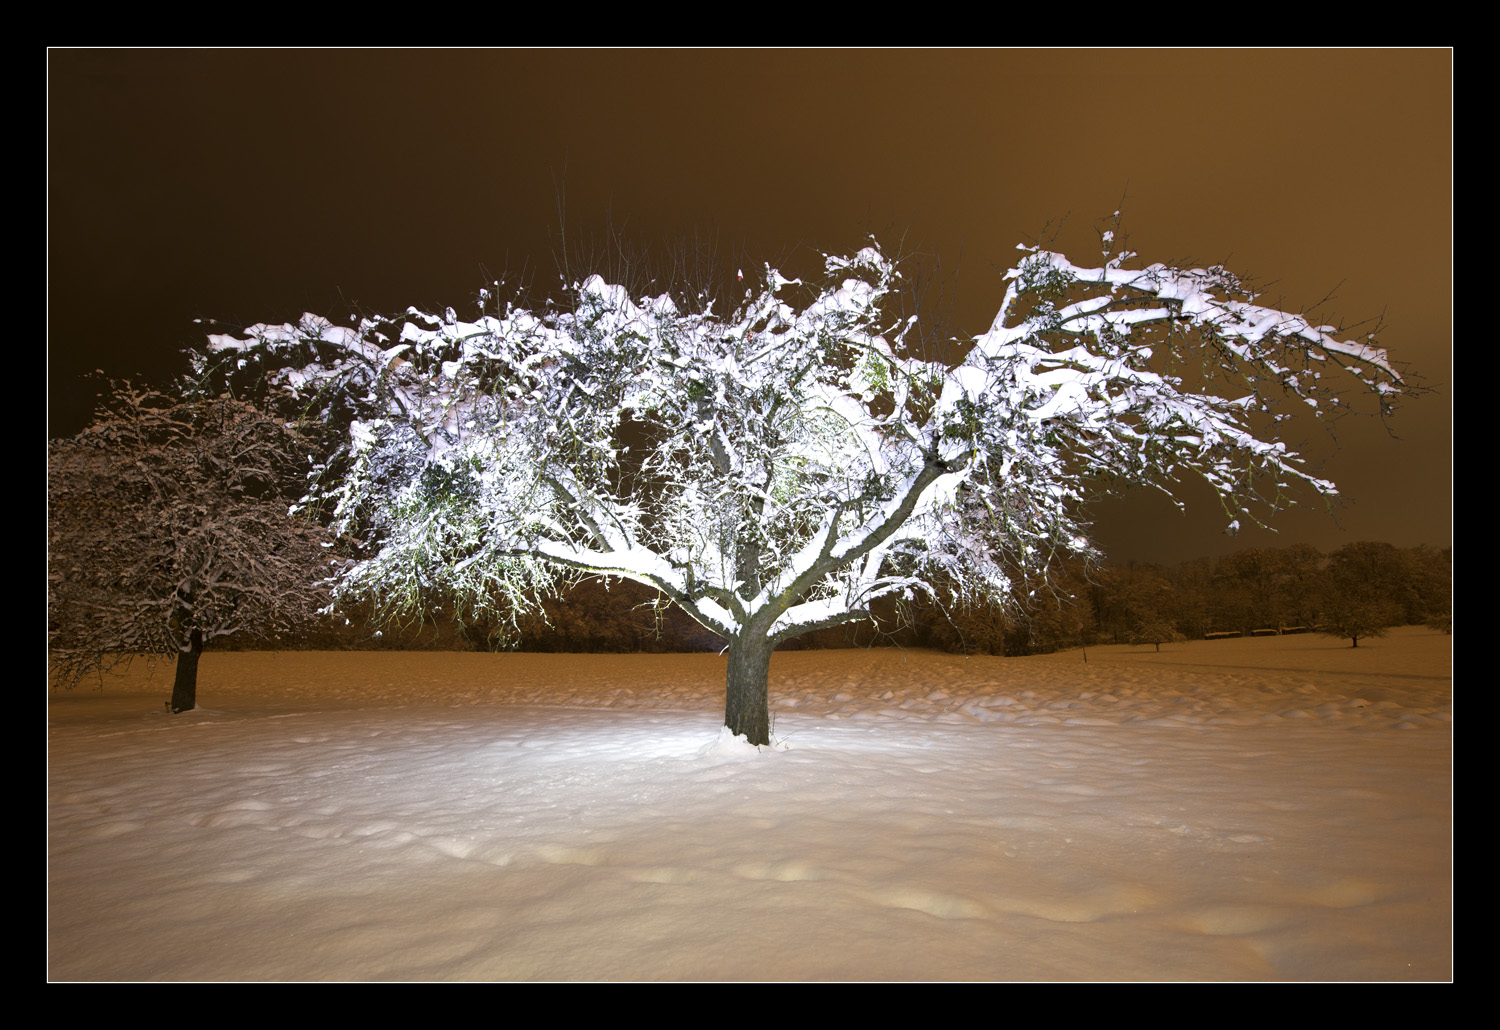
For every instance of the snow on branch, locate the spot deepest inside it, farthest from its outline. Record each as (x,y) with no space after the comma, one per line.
(169,517)
(782,466)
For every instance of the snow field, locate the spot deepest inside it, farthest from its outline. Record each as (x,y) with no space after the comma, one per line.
(1276,808)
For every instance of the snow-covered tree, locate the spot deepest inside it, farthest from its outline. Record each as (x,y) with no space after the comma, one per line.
(169,527)
(778,468)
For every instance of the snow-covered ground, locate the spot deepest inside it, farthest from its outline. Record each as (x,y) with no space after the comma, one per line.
(1273,808)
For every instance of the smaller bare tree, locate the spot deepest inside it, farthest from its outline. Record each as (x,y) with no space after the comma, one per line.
(1362,592)
(169,526)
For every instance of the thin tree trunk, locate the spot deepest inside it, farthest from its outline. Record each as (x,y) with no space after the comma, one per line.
(747,702)
(185,685)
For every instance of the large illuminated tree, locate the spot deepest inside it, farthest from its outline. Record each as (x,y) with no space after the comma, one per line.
(781,467)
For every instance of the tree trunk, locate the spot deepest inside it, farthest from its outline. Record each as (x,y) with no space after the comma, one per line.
(747,703)
(185,686)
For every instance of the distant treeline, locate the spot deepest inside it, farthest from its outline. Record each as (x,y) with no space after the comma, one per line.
(1366,586)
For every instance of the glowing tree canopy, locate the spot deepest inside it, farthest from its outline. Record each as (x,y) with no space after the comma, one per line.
(780,468)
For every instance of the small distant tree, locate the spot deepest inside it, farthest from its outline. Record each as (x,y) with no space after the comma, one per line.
(1155,630)
(1363,589)
(169,528)
(781,466)
(1355,617)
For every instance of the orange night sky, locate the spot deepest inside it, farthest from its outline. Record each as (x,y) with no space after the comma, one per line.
(251,186)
